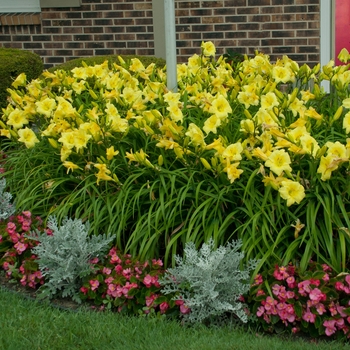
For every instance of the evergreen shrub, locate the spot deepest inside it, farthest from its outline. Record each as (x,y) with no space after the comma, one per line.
(13,63)
(93,60)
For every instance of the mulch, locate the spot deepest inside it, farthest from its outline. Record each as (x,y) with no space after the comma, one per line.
(32,294)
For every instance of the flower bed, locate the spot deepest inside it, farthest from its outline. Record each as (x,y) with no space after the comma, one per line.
(248,150)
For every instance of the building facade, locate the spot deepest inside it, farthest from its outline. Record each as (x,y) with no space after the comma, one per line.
(103,27)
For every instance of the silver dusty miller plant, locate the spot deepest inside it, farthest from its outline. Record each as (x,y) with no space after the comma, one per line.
(64,257)
(6,207)
(210,281)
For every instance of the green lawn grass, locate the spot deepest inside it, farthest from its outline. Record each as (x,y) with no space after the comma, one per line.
(26,324)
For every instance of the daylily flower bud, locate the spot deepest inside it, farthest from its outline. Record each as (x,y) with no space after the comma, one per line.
(121,60)
(247,114)
(316,68)
(178,152)
(149,129)
(293,95)
(316,90)
(205,163)
(80,109)
(321,151)
(278,94)
(148,163)
(247,154)
(337,114)
(93,95)
(53,142)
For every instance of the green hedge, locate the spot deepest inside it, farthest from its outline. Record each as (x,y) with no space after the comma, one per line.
(78,62)
(13,63)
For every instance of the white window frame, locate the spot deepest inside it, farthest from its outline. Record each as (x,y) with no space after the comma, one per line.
(327,37)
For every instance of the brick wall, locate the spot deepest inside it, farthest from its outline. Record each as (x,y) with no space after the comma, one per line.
(100,27)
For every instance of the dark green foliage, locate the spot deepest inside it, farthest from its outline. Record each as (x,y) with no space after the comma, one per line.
(91,61)
(13,63)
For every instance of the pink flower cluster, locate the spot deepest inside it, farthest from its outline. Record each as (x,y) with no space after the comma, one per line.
(126,284)
(319,299)
(18,261)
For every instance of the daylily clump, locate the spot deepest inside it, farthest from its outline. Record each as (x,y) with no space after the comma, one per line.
(85,113)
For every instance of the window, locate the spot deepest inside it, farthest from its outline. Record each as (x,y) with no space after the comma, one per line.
(59,3)
(19,6)
(23,6)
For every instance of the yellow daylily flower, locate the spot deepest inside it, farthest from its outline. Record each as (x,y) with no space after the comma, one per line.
(233,173)
(346,122)
(208,48)
(211,124)
(292,191)
(233,152)
(110,153)
(17,119)
(279,161)
(70,166)
(103,172)
(21,80)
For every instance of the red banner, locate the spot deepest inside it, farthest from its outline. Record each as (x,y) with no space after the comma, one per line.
(342,26)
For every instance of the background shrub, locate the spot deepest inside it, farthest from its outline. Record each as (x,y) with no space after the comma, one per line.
(13,63)
(91,61)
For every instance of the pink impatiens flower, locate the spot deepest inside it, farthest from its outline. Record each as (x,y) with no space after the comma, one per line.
(260,311)
(20,247)
(329,327)
(147,281)
(304,287)
(84,290)
(109,280)
(94,284)
(127,273)
(258,279)
(291,282)
(163,307)
(317,295)
(27,214)
(115,291)
(260,292)
(308,316)
(339,285)
(115,259)
(320,308)
(106,271)
(26,225)
(119,269)
(11,228)
(151,299)
(280,273)
(157,262)
(347,279)
(184,309)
